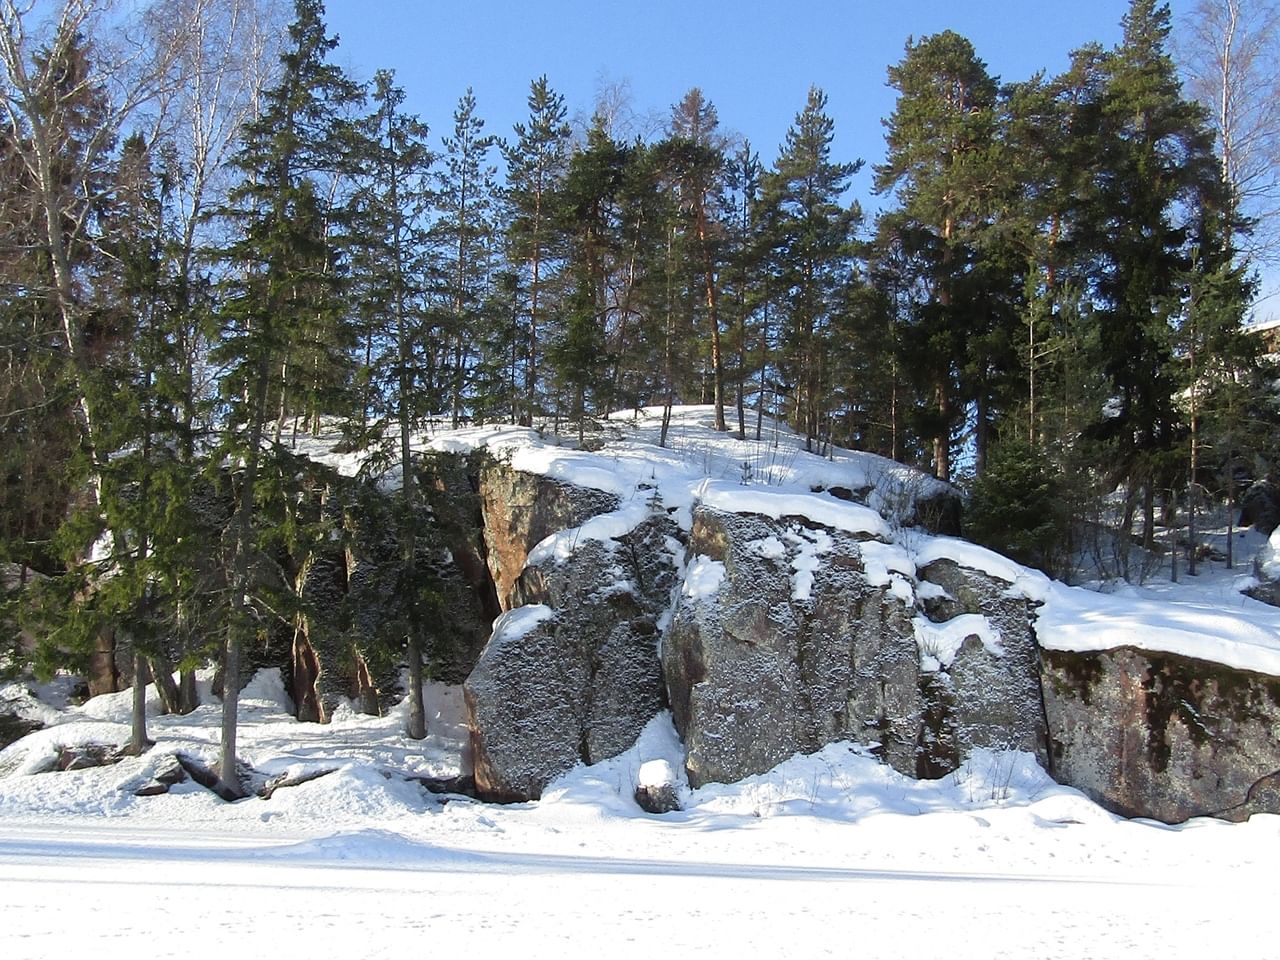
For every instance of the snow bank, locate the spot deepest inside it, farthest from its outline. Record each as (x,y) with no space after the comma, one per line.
(776,503)
(1246,637)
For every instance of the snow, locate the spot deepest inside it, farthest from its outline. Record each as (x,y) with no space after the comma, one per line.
(516,623)
(560,546)
(822,852)
(1269,558)
(1029,583)
(768,502)
(812,545)
(1239,632)
(655,773)
(703,578)
(940,642)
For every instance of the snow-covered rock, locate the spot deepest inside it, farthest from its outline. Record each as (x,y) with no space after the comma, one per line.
(571,673)
(809,638)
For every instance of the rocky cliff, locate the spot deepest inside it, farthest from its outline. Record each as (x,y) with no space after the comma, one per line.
(771,635)
(768,622)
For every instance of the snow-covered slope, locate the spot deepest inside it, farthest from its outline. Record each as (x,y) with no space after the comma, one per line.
(1208,617)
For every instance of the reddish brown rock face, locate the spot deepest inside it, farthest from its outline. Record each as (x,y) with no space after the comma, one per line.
(1162,736)
(520,510)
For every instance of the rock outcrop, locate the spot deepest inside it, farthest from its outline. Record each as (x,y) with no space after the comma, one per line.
(1164,736)
(1260,506)
(782,643)
(520,510)
(764,653)
(571,673)
(991,688)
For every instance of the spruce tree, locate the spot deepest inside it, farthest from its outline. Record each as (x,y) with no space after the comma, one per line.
(391,266)
(279,281)
(590,229)
(1155,162)
(464,233)
(537,164)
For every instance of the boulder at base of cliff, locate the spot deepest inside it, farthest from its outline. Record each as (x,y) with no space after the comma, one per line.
(572,675)
(1163,736)
(986,666)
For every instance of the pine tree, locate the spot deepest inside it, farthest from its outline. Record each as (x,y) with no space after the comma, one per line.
(695,155)
(743,178)
(940,163)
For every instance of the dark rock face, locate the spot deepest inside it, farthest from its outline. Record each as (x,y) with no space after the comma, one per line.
(349,643)
(1163,736)
(572,674)
(450,485)
(14,728)
(994,701)
(941,511)
(1260,505)
(783,656)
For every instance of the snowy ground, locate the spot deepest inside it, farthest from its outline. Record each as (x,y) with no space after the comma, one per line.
(831,855)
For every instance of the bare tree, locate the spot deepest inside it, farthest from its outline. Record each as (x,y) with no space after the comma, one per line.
(67,94)
(1230,53)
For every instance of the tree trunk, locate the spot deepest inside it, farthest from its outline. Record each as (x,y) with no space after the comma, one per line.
(138,740)
(240,625)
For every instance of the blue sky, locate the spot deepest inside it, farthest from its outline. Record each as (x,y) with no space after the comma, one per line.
(755,61)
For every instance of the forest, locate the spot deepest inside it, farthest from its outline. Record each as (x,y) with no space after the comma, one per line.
(214,240)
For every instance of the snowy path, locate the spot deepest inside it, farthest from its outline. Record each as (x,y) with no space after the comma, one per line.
(125,891)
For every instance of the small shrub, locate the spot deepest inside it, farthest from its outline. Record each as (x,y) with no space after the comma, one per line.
(1018,507)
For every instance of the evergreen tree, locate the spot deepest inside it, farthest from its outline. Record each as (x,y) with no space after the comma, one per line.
(537,164)
(1155,162)
(811,230)
(742,179)
(579,354)
(464,233)
(695,155)
(391,266)
(280,280)
(940,142)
